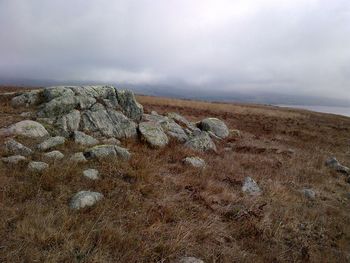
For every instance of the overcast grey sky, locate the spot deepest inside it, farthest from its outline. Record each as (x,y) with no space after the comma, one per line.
(297,46)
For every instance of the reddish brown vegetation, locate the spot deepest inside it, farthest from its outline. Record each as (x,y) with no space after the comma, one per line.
(157,210)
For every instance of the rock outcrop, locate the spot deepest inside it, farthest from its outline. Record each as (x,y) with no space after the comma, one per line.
(153,134)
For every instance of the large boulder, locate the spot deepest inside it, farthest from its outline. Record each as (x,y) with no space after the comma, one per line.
(16,148)
(84,139)
(216,126)
(51,142)
(153,134)
(130,106)
(201,142)
(26,128)
(27,99)
(101,152)
(69,122)
(84,199)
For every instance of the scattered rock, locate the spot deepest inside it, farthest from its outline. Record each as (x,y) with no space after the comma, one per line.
(194,161)
(216,126)
(12,160)
(84,199)
(153,134)
(84,139)
(78,158)
(53,155)
(51,142)
(201,142)
(100,152)
(91,174)
(37,167)
(27,99)
(309,193)
(190,260)
(251,187)
(112,141)
(16,148)
(235,133)
(335,165)
(26,128)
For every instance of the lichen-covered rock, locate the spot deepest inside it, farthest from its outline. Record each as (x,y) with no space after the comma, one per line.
(153,134)
(69,122)
(251,187)
(78,158)
(182,121)
(111,140)
(16,148)
(84,139)
(53,155)
(201,142)
(26,128)
(101,152)
(37,167)
(51,142)
(334,164)
(130,106)
(109,123)
(215,126)
(91,174)
(27,99)
(13,160)
(174,130)
(84,199)
(194,161)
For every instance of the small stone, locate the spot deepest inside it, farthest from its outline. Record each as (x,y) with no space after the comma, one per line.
(235,133)
(78,158)
(14,147)
(84,199)
(251,187)
(194,161)
(51,142)
(37,167)
(100,152)
(84,139)
(190,260)
(335,165)
(15,159)
(54,155)
(309,193)
(91,174)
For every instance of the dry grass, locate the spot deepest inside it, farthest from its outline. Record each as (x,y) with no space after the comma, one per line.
(157,210)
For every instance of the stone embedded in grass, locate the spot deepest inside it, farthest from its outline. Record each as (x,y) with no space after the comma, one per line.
(216,126)
(111,140)
(153,134)
(14,147)
(37,167)
(51,142)
(201,142)
(12,160)
(26,128)
(194,161)
(78,158)
(235,133)
(334,164)
(84,199)
(91,174)
(190,260)
(251,187)
(53,155)
(100,152)
(309,193)
(84,139)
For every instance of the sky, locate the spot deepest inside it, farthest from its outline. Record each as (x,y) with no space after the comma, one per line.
(297,47)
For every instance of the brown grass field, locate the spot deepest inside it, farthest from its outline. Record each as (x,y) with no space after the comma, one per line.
(157,210)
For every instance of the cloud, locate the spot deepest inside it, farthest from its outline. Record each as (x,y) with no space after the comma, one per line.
(291,46)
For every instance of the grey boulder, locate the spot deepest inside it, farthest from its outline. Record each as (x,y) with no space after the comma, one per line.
(216,126)
(201,142)
(26,128)
(84,199)
(16,148)
(84,139)
(78,158)
(51,142)
(53,156)
(37,167)
(153,134)
(91,174)
(194,161)
(13,160)
(251,187)
(101,152)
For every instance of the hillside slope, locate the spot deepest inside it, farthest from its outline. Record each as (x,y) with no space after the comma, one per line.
(156,209)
